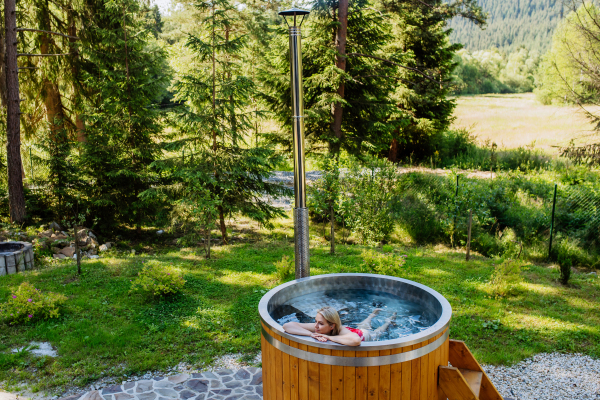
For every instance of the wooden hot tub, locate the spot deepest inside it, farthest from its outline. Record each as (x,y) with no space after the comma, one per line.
(300,368)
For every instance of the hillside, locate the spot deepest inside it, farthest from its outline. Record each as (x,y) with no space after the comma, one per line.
(511,24)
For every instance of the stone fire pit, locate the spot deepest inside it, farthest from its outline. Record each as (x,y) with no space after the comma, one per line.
(15,257)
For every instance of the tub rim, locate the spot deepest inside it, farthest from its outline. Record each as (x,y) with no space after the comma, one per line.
(434,330)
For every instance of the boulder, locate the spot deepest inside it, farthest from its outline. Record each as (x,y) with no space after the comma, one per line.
(60,236)
(90,234)
(54,226)
(59,256)
(68,251)
(103,248)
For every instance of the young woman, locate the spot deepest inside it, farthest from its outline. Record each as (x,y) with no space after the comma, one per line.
(328,326)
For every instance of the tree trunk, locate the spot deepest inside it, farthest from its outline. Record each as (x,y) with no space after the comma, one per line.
(223,227)
(393,154)
(332,247)
(16,197)
(207,235)
(340,62)
(50,92)
(79,122)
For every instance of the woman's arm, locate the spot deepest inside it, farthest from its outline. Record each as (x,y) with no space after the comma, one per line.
(348,339)
(296,328)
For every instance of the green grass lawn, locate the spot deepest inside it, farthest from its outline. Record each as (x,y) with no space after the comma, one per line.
(104,330)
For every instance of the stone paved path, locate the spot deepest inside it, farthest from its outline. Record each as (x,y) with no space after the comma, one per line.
(225,384)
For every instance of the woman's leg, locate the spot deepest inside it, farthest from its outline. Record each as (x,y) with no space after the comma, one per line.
(386,325)
(366,324)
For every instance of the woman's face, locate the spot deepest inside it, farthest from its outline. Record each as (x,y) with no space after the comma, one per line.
(322,326)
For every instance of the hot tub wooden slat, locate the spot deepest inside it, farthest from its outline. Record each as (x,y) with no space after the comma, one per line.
(415,388)
(285,359)
(424,375)
(278,371)
(265,364)
(406,376)
(314,374)
(337,378)
(294,373)
(325,377)
(373,380)
(361,378)
(395,378)
(303,376)
(350,379)
(384,378)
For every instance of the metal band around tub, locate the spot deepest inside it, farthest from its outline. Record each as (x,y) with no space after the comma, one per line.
(354,361)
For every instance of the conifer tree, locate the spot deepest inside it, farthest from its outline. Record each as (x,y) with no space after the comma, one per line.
(123,71)
(369,116)
(215,119)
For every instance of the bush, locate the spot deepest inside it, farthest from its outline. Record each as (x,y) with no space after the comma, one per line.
(568,253)
(381,264)
(284,269)
(29,304)
(506,278)
(158,280)
(368,208)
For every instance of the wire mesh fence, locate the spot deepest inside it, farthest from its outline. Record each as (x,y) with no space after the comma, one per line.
(507,211)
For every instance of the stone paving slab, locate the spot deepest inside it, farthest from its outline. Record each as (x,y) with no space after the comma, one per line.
(226,384)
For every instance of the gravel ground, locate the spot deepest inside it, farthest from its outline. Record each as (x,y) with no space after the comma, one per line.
(543,377)
(552,376)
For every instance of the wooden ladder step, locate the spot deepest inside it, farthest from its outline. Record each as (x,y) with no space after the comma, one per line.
(454,385)
(473,378)
(461,357)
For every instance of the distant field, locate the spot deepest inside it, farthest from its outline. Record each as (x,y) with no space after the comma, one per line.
(514,120)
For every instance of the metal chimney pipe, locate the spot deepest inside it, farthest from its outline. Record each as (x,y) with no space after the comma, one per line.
(301,232)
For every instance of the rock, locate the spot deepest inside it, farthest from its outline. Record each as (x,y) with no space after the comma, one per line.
(91,235)
(60,236)
(59,256)
(112,389)
(68,251)
(160,232)
(94,257)
(241,374)
(54,226)
(64,233)
(103,248)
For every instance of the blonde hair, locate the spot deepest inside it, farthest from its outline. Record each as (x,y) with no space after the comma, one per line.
(332,317)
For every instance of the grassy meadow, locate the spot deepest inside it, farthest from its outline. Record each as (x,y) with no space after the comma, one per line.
(104,330)
(518,120)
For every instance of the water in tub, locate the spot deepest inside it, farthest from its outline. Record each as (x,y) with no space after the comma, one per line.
(354,306)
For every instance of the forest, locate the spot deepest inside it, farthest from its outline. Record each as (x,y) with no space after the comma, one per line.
(126,117)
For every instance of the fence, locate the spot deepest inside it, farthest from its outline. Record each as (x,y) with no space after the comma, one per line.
(507,211)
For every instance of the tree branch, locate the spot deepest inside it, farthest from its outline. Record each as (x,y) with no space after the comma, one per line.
(42,55)
(49,32)
(394,63)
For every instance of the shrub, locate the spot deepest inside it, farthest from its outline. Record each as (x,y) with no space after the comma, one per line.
(158,280)
(368,207)
(29,304)
(284,269)
(568,253)
(506,278)
(381,264)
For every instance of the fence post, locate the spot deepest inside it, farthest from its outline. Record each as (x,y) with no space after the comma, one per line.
(552,223)
(469,234)
(455,212)
(31,163)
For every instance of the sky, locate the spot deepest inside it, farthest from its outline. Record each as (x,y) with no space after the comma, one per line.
(162,4)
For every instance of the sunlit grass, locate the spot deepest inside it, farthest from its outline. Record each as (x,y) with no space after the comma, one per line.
(518,120)
(106,331)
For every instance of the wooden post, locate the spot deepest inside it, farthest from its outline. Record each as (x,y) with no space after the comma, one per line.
(469,234)
(16,197)
(552,223)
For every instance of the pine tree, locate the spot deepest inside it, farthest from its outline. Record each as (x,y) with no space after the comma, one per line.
(123,71)
(369,116)
(212,125)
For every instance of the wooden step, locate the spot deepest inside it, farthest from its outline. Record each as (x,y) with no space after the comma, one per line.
(454,385)
(473,378)
(461,357)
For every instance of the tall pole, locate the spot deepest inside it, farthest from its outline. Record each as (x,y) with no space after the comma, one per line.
(16,198)
(552,223)
(301,233)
